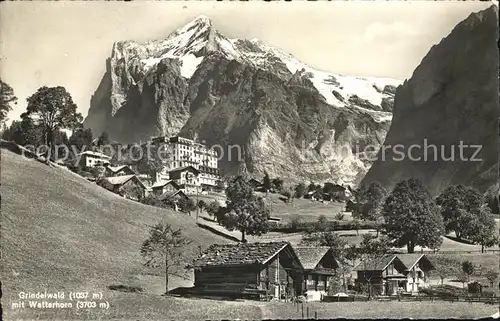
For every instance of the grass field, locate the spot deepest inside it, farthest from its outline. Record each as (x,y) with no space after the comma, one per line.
(389,310)
(63,233)
(156,307)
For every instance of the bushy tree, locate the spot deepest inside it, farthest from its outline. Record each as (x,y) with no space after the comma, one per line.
(491,275)
(327,238)
(81,139)
(322,224)
(24,133)
(201,205)
(212,208)
(7,98)
(98,172)
(187,205)
(371,245)
(277,184)
(166,247)
(266,183)
(295,222)
(445,267)
(459,205)
(355,224)
(481,229)
(52,108)
(411,216)
(369,200)
(250,218)
(246,212)
(103,139)
(300,190)
(288,194)
(468,269)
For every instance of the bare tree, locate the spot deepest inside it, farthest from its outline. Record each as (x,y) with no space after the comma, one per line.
(166,248)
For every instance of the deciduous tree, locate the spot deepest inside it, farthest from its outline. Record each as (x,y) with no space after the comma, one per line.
(445,267)
(459,205)
(246,212)
(166,247)
(266,184)
(411,216)
(212,208)
(300,190)
(7,98)
(491,275)
(52,108)
(103,139)
(468,269)
(277,184)
(369,200)
(481,229)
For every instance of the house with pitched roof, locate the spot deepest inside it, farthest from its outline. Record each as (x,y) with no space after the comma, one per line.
(391,273)
(385,274)
(118,171)
(319,266)
(188,178)
(417,269)
(128,186)
(162,187)
(270,270)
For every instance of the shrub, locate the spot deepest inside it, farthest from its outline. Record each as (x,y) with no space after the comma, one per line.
(339,216)
(295,222)
(304,226)
(444,291)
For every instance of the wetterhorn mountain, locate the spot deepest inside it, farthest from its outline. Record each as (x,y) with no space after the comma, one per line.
(452,98)
(289,119)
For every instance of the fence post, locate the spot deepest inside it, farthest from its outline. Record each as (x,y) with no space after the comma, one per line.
(307,311)
(316,315)
(297,306)
(302,310)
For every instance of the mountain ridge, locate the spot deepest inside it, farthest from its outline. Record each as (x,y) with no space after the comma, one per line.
(202,85)
(452,97)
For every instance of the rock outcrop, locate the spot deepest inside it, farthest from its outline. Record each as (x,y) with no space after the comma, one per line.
(283,116)
(452,98)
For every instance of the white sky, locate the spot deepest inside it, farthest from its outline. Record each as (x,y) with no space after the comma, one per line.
(66,43)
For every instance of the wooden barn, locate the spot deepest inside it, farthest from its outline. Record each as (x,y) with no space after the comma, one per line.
(263,270)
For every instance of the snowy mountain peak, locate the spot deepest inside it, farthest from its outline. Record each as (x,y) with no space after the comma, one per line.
(194,41)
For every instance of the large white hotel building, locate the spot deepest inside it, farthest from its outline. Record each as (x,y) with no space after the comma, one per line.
(191,165)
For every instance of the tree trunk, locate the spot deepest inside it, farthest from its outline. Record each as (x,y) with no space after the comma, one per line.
(482,248)
(243,236)
(50,142)
(377,232)
(166,273)
(410,246)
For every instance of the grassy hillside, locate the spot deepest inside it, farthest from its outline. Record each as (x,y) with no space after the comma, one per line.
(61,232)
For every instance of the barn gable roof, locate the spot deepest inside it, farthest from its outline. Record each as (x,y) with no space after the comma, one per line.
(120,180)
(169,194)
(116,169)
(377,264)
(164,183)
(311,256)
(410,260)
(219,255)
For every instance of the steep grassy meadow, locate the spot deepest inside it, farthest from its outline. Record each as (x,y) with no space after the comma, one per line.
(63,233)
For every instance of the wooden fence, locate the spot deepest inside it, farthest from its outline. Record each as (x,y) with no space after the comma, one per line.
(416,298)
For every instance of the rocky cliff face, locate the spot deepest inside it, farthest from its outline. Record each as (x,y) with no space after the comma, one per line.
(267,110)
(452,97)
